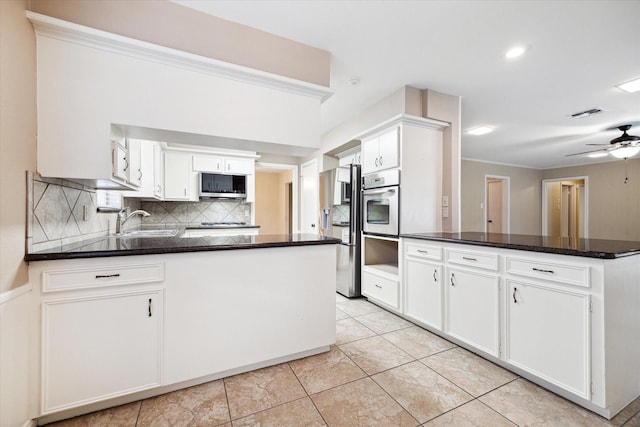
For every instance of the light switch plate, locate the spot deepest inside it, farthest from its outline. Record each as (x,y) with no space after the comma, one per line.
(445,212)
(445,201)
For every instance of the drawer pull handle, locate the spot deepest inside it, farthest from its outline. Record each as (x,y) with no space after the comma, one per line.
(452,277)
(149,307)
(107,276)
(467,258)
(514,295)
(422,251)
(435,276)
(378,286)
(543,271)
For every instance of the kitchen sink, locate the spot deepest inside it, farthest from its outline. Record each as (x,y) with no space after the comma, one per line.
(148,233)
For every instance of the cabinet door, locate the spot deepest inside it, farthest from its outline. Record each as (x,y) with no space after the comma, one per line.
(100,347)
(206,163)
(177,175)
(158,171)
(370,153)
(120,162)
(389,149)
(135,162)
(239,166)
(548,333)
(472,309)
(381,289)
(423,283)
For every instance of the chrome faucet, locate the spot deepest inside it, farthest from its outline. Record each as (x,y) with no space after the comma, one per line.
(121,220)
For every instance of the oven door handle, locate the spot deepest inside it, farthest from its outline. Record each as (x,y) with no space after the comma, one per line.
(384,190)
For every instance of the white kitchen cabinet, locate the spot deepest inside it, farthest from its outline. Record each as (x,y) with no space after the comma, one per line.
(380,275)
(381,151)
(225,165)
(100,346)
(120,161)
(423,291)
(350,157)
(126,160)
(548,334)
(158,171)
(472,308)
(135,162)
(179,179)
(146,170)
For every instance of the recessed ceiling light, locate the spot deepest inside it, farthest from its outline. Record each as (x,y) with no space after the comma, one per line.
(480,130)
(515,52)
(596,155)
(630,87)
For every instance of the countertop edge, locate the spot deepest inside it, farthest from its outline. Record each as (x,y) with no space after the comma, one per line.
(528,248)
(51,256)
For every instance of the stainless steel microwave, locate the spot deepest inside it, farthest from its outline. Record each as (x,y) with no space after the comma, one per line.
(220,186)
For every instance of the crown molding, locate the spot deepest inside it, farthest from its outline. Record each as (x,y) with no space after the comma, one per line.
(46,26)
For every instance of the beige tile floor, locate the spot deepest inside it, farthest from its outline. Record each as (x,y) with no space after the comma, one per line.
(383,371)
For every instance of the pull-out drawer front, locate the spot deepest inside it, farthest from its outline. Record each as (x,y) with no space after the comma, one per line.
(577,275)
(473,259)
(96,277)
(381,288)
(420,250)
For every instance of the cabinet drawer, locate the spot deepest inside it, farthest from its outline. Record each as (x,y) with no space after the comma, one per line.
(380,288)
(420,250)
(473,259)
(95,277)
(564,273)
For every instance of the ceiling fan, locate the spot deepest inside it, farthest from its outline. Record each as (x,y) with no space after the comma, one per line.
(622,147)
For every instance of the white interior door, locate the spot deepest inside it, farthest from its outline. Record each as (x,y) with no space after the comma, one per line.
(494,206)
(309,197)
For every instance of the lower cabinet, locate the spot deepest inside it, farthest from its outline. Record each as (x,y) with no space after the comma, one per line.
(380,288)
(548,334)
(98,347)
(423,283)
(473,309)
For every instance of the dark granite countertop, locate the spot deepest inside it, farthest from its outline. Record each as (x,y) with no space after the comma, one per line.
(592,248)
(207,226)
(112,246)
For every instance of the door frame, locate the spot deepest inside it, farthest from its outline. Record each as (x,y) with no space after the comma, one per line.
(506,201)
(585,227)
(294,183)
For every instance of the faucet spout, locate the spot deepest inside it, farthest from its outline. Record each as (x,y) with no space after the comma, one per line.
(121,219)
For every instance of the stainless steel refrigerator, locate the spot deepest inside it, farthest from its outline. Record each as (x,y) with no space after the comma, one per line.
(340,217)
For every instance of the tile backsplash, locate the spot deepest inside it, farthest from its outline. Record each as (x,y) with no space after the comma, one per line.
(62,212)
(193,213)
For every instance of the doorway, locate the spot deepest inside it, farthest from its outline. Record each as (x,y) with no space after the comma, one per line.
(276,198)
(497,195)
(564,207)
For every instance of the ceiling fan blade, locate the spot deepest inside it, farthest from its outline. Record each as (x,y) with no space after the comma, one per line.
(599,144)
(587,152)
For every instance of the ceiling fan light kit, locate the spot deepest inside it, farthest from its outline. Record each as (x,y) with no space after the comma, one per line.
(622,147)
(630,87)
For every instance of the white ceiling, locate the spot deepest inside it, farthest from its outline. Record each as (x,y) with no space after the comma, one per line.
(578,51)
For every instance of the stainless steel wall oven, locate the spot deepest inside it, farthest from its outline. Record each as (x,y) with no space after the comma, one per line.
(380,203)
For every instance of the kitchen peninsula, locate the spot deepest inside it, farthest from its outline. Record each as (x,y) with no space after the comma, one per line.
(561,312)
(128,318)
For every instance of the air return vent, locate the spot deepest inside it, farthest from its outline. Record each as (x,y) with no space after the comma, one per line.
(586,113)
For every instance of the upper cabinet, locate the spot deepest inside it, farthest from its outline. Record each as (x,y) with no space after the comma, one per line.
(224,165)
(125,162)
(381,151)
(350,157)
